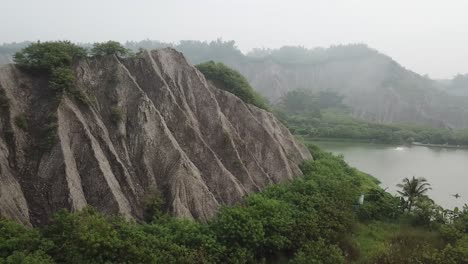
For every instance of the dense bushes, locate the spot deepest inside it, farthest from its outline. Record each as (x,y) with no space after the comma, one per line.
(47,56)
(293,220)
(109,48)
(319,252)
(231,81)
(313,219)
(380,205)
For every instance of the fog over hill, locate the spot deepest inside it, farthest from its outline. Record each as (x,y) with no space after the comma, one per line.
(374,86)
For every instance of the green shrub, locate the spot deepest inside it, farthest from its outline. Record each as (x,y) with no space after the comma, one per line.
(36,257)
(316,152)
(450,233)
(277,220)
(46,56)
(239,232)
(319,252)
(19,244)
(154,206)
(379,205)
(84,237)
(231,81)
(184,241)
(109,48)
(21,121)
(62,80)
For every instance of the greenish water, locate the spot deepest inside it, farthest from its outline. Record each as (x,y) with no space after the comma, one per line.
(445,169)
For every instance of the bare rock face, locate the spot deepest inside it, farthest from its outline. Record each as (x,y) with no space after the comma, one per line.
(148,124)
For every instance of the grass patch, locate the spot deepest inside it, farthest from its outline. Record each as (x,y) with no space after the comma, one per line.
(373,239)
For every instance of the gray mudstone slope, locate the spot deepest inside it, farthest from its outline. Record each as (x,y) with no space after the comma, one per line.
(151,124)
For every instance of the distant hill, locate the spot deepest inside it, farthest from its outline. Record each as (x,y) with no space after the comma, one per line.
(375,87)
(457,86)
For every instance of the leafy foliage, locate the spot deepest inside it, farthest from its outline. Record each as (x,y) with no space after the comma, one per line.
(231,81)
(19,244)
(380,205)
(413,189)
(109,48)
(319,252)
(46,56)
(61,80)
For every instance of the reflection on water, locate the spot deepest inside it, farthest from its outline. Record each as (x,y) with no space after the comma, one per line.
(445,169)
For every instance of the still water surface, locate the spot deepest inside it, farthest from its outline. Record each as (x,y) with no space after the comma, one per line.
(445,169)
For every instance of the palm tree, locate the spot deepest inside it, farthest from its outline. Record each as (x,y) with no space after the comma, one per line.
(413,189)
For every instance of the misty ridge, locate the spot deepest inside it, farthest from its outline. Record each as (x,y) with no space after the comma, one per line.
(375,86)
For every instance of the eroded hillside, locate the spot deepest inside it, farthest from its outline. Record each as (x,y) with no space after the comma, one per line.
(146,125)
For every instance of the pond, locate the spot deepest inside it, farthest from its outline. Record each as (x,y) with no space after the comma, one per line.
(445,169)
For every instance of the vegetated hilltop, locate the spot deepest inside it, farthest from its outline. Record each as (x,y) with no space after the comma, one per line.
(115,133)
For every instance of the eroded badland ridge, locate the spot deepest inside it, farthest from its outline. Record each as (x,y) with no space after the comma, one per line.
(147,124)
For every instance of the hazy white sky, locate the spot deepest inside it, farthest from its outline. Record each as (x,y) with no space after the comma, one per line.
(426,36)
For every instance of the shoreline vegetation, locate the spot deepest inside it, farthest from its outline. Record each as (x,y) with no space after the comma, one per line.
(323,115)
(370,141)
